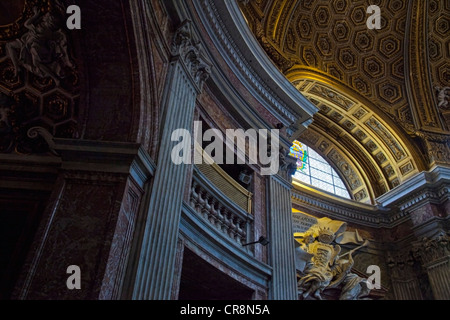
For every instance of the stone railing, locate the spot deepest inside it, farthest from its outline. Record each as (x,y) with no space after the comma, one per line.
(223,182)
(219,210)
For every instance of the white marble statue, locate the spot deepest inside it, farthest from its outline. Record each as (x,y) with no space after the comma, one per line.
(323,267)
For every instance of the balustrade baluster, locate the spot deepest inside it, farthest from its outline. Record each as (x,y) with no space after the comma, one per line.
(234,224)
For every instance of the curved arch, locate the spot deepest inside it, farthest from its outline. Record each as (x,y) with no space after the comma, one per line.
(355,77)
(147,123)
(300,73)
(382,154)
(121,101)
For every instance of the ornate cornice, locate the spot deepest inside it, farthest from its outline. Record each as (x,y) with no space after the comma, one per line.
(107,157)
(252,66)
(346,210)
(426,186)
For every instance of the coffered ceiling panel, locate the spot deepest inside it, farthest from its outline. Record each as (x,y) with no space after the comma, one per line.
(375,96)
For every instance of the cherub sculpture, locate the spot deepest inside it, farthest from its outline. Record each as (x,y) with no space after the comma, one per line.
(42,50)
(443,97)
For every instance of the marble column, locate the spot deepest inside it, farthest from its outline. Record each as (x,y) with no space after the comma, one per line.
(439,275)
(405,284)
(281,250)
(155,271)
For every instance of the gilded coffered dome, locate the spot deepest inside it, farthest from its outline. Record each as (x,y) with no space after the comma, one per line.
(377,89)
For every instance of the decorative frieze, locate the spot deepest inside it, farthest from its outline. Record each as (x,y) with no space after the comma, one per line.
(350,175)
(397,150)
(357,213)
(437,146)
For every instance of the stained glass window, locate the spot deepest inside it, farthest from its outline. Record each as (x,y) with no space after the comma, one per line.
(314,170)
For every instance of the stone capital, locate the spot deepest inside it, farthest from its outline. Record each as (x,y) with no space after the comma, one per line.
(288,164)
(187,49)
(432,250)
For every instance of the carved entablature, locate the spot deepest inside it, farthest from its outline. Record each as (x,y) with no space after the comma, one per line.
(432,250)
(188,49)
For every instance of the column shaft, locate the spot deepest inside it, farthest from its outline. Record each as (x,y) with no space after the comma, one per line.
(284,285)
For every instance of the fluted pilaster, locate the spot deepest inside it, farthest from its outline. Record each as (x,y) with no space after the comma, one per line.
(284,284)
(435,257)
(188,71)
(405,283)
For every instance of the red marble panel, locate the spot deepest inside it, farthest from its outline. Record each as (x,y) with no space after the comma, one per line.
(217,114)
(424,213)
(446,207)
(86,225)
(398,232)
(121,243)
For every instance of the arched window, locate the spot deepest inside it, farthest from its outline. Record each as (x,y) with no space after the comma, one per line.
(314,170)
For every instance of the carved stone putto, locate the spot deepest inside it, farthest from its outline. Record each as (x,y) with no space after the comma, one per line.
(42,50)
(188,49)
(443,97)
